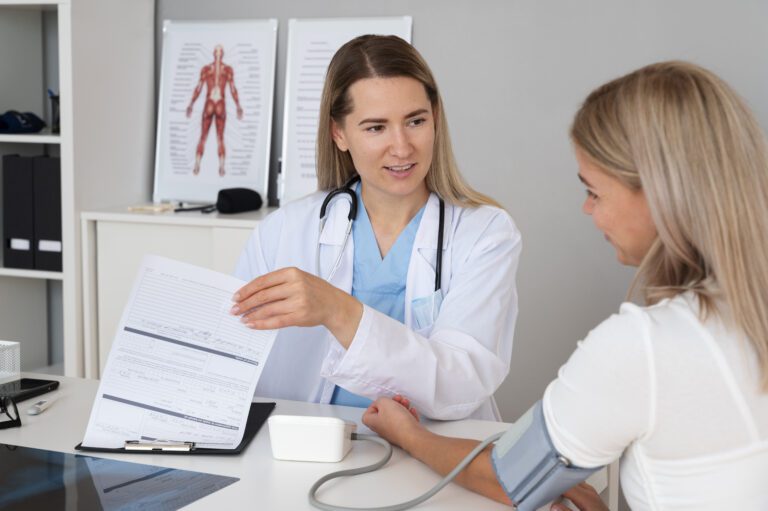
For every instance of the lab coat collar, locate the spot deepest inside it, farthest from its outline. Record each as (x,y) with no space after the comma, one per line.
(426,236)
(336,224)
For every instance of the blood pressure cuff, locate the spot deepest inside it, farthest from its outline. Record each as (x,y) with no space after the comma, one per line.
(528,466)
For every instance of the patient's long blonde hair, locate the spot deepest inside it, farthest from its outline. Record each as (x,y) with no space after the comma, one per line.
(684,137)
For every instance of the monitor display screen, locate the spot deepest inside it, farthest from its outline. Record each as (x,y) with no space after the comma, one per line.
(38,479)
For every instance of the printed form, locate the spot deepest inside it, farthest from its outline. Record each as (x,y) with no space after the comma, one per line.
(181,367)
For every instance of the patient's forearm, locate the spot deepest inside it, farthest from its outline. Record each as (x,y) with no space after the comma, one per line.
(442,454)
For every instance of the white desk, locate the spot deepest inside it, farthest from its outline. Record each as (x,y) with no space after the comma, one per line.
(264,482)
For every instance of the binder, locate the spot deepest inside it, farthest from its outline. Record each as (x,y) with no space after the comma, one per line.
(257,416)
(47,204)
(18,212)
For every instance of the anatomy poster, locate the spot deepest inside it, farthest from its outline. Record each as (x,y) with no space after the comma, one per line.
(215,117)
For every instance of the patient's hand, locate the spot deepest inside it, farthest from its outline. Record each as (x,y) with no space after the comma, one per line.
(393,419)
(407,404)
(584,497)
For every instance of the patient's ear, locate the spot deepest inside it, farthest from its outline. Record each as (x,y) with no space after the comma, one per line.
(339,138)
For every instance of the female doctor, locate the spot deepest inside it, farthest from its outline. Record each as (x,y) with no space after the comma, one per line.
(408,284)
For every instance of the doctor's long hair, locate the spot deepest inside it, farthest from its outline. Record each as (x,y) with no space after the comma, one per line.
(684,137)
(375,56)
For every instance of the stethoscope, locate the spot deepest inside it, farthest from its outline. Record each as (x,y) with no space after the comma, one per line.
(347,190)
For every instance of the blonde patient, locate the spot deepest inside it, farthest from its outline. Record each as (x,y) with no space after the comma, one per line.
(676,175)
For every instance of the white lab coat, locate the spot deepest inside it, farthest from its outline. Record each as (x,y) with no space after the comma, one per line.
(450,369)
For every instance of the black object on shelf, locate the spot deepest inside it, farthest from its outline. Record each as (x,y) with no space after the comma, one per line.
(55,125)
(47,203)
(18,212)
(229,201)
(32,212)
(20,122)
(238,200)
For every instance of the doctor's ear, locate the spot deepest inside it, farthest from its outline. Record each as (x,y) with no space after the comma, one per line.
(337,133)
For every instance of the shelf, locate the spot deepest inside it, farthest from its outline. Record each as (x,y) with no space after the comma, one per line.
(31,3)
(47,43)
(44,137)
(31,274)
(189,218)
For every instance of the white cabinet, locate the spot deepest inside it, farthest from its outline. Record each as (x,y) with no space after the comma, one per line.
(115,241)
(99,56)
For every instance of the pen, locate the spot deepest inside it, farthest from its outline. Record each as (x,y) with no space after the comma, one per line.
(206,208)
(40,406)
(158,445)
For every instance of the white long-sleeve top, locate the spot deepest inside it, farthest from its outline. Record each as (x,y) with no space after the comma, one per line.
(677,398)
(450,368)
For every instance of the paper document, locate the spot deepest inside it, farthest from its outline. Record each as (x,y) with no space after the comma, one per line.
(181,367)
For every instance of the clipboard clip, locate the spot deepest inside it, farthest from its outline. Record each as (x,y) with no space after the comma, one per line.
(158,445)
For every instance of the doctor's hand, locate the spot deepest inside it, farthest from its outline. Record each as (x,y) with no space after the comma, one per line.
(584,496)
(394,420)
(292,297)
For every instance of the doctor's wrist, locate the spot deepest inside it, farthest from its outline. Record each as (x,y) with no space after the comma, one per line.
(344,318)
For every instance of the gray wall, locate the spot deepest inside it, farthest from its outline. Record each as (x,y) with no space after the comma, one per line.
(512,74)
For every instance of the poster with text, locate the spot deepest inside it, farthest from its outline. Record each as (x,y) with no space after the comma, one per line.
(215,108)
(311,45)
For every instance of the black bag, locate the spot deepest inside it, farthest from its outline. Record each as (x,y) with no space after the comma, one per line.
(231,200)
(238,200)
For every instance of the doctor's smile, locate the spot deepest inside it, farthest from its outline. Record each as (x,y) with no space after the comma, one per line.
(400,170)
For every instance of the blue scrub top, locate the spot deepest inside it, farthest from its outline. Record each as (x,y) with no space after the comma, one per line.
(376,282)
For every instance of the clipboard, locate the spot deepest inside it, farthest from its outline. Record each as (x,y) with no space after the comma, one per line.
(257,416)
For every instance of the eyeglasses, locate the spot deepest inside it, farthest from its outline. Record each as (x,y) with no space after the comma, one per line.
(8,409)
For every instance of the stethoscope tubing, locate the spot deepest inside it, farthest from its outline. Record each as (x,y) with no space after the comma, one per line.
(352,216)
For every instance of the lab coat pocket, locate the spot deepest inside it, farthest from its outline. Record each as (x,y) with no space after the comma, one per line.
(425,310)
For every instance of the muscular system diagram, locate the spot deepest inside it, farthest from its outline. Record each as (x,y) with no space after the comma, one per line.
(216,77)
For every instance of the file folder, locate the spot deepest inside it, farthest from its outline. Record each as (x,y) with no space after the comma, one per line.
(47,203)
(18,212)
(257,416)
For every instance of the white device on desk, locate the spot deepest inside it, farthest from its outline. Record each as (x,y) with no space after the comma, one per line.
(530,469)
(40,406)
(301,438)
